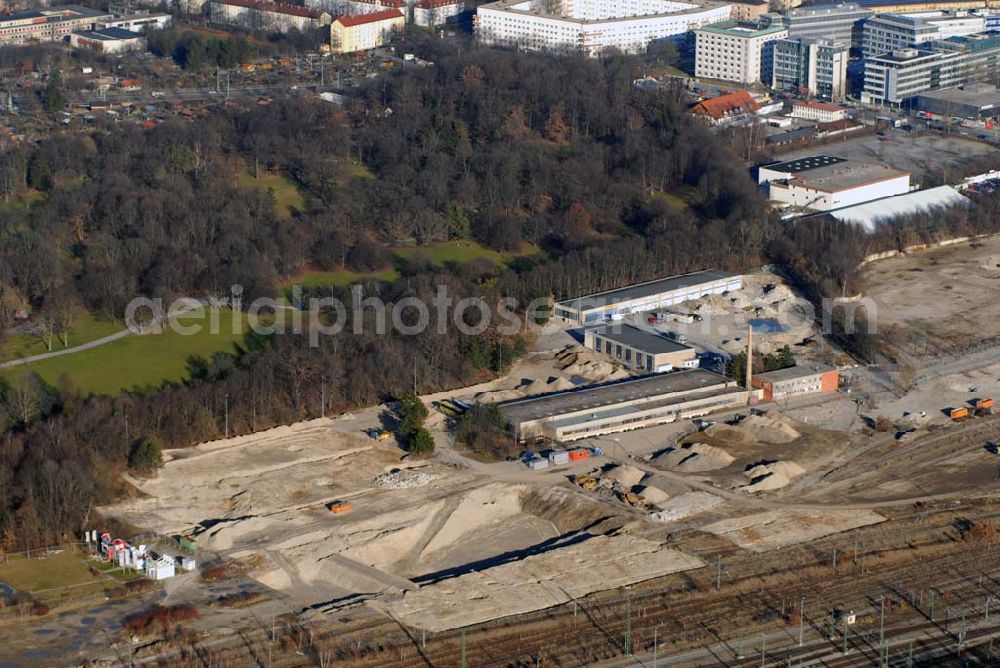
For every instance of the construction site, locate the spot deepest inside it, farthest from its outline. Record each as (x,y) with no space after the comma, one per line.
(644,541)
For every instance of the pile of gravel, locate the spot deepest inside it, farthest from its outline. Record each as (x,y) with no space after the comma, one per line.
(404,479)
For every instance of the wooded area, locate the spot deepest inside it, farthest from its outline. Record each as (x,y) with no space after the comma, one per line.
(612,184)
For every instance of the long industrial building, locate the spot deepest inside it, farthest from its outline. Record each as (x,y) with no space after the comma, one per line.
(649,296)
(640,350)
(631,404)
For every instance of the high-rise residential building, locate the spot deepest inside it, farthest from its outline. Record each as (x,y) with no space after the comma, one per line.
(811,66)
(840,22)
(893,79)
(591,26)
(737,51)
(890,32)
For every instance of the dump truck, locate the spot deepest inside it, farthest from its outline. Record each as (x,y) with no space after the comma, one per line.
(379,434)
(958,413)
(588,482)
(338,507)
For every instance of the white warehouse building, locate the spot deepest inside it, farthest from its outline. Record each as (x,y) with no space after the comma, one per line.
(648,296)
(825,183)
(591,26)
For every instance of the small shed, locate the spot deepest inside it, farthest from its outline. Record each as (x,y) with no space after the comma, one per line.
(159,567)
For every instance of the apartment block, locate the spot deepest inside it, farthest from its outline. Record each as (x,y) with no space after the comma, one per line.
(737,51)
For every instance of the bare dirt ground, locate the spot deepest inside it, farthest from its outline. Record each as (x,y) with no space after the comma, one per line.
(449,542)
(917,155)
(940,300)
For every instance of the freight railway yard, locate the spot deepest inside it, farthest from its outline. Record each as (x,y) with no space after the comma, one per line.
(737,541)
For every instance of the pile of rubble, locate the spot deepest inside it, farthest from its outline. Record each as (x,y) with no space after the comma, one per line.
(404,479)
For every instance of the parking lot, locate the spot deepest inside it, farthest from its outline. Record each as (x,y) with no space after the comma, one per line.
(922,155)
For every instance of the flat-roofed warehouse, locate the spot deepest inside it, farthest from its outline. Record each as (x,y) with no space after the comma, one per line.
(648,296)
(630,404)
(640,350)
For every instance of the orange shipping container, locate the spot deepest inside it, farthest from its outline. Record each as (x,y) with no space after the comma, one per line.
(984,403)
(577,455)
(340,507)
(957,413)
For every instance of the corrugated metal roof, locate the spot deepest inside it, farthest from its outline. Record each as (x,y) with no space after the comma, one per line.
(868,214)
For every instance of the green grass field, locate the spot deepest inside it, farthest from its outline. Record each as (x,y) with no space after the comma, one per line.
(137,361)
(287,197)
(319,279)
(449,251)
(59,577)
(86,327)
(437,254)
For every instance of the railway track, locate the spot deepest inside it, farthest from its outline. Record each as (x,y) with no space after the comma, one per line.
(595,628)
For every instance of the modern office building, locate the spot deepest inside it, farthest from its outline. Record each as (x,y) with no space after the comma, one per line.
(737,51)
(896,78)
(591,26)
(840,22)
(595,410)
(48,25)
(904,6)
(640,350)
(824,182)
(809,66)
(885,33)
(649,296)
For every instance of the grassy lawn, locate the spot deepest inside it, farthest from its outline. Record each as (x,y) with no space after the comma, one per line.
(287,196)
(138,361)
(86,327)
(318,279)
(437,254)
(58,577)
(449,251)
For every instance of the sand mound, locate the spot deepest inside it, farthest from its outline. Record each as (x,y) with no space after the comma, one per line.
(498,395)
(551,384)
(654,496)
(580,361)
(694,458)
(771,428)
(784,468)
(991,263)
(625,475)
(686,505)
(478,508)
(766,483)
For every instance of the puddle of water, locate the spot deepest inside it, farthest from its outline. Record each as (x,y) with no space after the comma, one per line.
(45,632)
(87,621)
(766,325)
